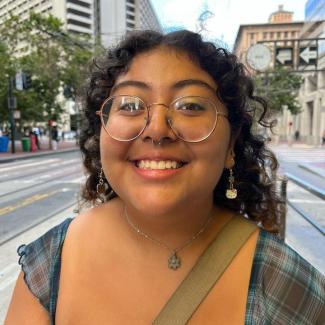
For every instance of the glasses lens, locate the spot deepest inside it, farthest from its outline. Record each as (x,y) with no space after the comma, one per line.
(124,117)
(193,118)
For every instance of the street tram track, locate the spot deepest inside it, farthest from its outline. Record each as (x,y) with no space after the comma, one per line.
(45,170)
(66,207)
(40,183)
(312,190)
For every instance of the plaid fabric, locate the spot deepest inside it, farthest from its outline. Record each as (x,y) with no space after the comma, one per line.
(40,262)
(284,289)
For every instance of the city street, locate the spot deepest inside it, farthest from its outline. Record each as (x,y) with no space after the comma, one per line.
(38,193)
(34,190)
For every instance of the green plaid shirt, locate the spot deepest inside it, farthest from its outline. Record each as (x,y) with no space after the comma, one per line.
(284,289)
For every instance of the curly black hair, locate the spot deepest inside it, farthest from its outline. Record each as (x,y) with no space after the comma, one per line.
(255,168)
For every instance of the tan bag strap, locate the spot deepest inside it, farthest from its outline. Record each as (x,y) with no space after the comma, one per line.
(206,272)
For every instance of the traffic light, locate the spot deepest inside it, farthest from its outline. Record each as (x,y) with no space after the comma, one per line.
(27,81)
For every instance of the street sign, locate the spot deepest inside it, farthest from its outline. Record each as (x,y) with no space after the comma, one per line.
(16,114)
(308,55)
(19,80)
(284,55)
(259,57)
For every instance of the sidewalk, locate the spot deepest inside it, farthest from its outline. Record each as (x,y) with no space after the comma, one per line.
(63,146)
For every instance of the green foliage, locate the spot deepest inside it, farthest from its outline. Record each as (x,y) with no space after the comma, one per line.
(280,87)
(52,57)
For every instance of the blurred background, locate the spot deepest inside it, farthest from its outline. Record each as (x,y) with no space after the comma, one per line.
(45,47)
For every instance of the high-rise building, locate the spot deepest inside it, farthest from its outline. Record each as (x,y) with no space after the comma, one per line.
(76,15)
(115,18)
(311,121)
(105,20)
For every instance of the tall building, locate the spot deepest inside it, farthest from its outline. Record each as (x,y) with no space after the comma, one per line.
(106,20)
(115,18)
(280,26)
(76,15)
(311,121)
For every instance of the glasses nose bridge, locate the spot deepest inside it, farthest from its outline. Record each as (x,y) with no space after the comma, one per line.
(157,104)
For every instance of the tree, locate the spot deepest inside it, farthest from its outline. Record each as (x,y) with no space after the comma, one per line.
(280,88)
(55,60)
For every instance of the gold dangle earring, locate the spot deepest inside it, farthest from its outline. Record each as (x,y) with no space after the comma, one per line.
(231,192)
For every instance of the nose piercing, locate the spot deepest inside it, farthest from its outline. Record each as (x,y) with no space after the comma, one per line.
(157,143)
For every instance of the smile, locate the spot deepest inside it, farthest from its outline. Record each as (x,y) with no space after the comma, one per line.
(160,164)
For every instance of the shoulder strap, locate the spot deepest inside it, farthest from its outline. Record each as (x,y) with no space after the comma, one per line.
(206,272)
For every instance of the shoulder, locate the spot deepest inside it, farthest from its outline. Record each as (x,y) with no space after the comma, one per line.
(286,287)
(38,258)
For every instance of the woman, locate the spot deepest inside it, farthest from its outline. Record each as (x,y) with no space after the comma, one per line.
(171,158)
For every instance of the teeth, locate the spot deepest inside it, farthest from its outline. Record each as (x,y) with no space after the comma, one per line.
(162,164)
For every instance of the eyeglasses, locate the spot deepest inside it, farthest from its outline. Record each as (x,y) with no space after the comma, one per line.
(191,118)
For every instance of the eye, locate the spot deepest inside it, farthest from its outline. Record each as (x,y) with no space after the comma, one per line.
(191,107)
(128,106)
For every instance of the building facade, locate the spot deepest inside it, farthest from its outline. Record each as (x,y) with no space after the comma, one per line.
(76,15)
(113,19)
(311,121)
(280,26)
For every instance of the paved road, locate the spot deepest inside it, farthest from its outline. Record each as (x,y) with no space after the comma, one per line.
(34,190)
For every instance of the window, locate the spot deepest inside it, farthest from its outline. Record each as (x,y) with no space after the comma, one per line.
(128,8)
(80,3)
(271,35)
(128,16)
(264,35)
(78,23)
(131,1)
(285,34)
(78,13)
(278,35)
(130,25)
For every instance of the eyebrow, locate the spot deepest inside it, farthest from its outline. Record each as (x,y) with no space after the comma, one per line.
(178,85)
(193,82)
(134,83)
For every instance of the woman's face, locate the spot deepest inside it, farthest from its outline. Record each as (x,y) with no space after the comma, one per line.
(160,76)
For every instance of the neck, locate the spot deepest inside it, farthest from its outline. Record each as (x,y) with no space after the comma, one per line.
(173,228)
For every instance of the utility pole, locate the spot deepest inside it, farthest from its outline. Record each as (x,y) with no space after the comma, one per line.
(12,104)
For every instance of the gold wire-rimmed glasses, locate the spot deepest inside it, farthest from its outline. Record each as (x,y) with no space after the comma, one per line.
(191,118)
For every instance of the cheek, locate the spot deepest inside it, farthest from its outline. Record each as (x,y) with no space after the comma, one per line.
(213,159)
(113,154)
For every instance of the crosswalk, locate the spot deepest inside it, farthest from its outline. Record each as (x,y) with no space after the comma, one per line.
(299,155)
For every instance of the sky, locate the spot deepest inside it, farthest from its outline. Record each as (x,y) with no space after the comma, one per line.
(228,14)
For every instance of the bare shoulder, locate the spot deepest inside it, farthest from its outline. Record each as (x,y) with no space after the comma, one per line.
(93,226)
(24,307)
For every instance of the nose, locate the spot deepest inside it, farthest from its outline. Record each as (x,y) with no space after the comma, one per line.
(158,129)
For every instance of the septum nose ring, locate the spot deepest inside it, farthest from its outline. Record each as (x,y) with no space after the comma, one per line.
(157,143)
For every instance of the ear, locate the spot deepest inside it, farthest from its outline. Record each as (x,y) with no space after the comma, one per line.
(230,158)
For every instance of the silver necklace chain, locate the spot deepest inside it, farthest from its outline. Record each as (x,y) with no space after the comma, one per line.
(174,261)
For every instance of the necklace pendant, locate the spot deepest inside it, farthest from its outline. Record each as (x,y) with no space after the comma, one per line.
(174,262)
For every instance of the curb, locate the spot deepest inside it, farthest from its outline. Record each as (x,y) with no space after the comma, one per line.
(312,170)
(306,185)
(38,154)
